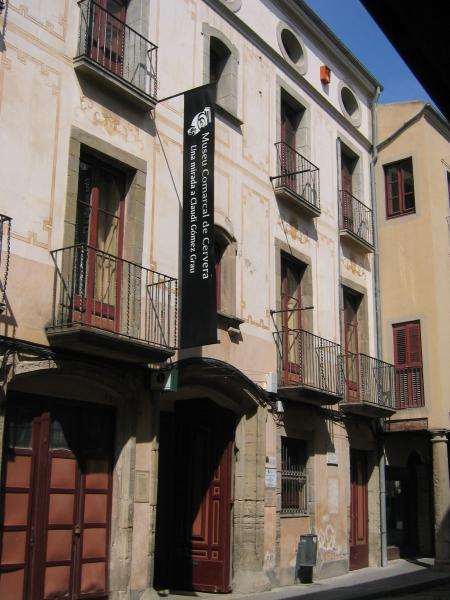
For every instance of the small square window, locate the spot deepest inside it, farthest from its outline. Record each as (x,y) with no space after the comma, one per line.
(293,476)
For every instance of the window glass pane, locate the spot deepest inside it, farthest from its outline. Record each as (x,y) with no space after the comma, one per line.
(19,427)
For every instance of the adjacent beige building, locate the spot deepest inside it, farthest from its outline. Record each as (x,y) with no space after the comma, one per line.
(115,486)
(413,206)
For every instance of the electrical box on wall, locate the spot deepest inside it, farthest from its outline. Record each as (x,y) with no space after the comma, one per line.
(325,74)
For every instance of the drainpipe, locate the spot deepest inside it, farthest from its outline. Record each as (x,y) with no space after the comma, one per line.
(381,452)
(341,297)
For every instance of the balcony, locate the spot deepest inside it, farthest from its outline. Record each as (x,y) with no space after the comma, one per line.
(116,56)
(297,180)
(309,368)
(5,255)
(409,387)
(107,306)
(369,386)
(356,222)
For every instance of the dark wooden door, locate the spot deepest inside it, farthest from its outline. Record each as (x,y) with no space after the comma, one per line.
(108,34)
(56,502)
(194,499)
(351,303)
(291,275)
(359,520)
(99,228)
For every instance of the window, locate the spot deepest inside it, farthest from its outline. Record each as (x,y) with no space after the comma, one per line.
(349,104)
(291,319)
(408,365)
(352,301)
(293,476)
(221,65)
(225,258)
(399,182)
(292,48)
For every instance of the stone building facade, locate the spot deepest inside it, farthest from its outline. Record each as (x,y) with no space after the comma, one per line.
(413,178)
(114,486)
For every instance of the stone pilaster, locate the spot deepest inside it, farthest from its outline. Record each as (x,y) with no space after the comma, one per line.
(248,546)
(441,495)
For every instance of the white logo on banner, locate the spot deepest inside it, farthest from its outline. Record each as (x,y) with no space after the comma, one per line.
(201,120)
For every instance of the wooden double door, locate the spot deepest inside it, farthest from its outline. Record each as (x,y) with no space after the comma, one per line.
(55,501)
(193,528)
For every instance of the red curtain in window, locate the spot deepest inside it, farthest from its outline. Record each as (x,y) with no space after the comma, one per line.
(408,365)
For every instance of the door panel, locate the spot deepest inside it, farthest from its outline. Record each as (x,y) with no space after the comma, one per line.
(195,487)
(359,520)
(43,524)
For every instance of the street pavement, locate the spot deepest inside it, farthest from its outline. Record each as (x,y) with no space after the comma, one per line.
(441,592)
(405,579)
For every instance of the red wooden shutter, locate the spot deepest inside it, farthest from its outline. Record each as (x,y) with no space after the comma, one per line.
(414,345)
(408,365)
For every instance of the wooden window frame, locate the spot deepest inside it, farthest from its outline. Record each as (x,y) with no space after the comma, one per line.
(294,480)
(401,167)
(292,370)
(408,364)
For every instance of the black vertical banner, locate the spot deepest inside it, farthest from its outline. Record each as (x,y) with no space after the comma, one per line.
(198,321)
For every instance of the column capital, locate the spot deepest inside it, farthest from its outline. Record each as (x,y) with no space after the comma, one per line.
(438,435)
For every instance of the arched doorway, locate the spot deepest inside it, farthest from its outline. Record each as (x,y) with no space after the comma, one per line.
(193,526)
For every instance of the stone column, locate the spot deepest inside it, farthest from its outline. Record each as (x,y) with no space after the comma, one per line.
(441,495)
(248,544)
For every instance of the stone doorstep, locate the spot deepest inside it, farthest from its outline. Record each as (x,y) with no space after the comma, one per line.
(399,577)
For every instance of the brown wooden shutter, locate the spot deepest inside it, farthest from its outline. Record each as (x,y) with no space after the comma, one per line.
(400,352)
(414,345)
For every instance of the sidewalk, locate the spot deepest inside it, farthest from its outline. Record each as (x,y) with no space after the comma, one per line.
(401,576)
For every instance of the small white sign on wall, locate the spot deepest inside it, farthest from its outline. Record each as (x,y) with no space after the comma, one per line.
(271,478)
(332,458)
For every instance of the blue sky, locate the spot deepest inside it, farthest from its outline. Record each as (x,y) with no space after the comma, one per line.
(350,21)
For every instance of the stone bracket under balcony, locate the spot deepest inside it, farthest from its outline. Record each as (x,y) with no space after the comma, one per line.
(357,241)
(305,394)
(110,82)
(108,345)
(366,409)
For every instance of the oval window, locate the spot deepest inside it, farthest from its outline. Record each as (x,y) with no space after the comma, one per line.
(349,104)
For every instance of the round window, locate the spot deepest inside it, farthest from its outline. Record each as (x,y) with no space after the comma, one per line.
(349,104)
(291,47)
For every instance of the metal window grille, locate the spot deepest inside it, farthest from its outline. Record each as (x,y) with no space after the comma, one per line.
(293,476)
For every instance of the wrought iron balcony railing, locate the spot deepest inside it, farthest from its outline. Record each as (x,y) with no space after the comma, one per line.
(356,218)
(308,361)
(368,380)
(115,46)
(5,255)
(297,174)
(409,387)
(98,290)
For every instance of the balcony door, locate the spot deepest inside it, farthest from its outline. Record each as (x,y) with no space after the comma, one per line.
(347,166)
(99,237)
(351,304)
(289,122)
(108,34)
(291,276)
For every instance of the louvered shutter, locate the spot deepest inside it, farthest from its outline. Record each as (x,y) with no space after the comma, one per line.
(408,365)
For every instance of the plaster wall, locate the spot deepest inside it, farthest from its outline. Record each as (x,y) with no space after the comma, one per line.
(414,276)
